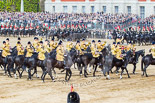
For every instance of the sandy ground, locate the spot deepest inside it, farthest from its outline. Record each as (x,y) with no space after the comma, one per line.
(136,89)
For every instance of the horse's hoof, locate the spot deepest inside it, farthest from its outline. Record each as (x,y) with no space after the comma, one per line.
(129,77)
(53,80)
(120,77)
(108,77)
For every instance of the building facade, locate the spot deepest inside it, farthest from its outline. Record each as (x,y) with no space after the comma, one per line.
(143,8)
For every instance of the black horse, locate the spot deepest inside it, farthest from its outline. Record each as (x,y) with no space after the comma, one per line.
(10,61)
(146,61)
(51,63)
(107,64)
(122,63)
(134,60)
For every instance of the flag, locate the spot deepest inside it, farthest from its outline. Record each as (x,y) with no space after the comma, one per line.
(72,89)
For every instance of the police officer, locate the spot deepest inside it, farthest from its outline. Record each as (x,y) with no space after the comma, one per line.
(41,55)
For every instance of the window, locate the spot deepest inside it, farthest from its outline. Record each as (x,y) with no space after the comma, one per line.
(92,9)
(142,11)
(53,9)
(104,9)
(116,9)
(65,9)
(129,9)
(74,8)
(83,9)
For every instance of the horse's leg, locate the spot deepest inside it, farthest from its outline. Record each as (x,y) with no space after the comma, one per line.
(21,73)
(145,70)
(5,71)
(74,66)
(70,72)
(117,70)
(66,75)
(9,73)
(127,72)
(50,73)
(134,68)
(94,70)
(15,72)
(85,71)
(108,77)
(80,68)
(90,68)
(44,74)
(29,74)
(121,72)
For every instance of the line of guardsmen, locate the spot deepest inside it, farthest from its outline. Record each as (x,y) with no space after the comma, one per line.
(38,46)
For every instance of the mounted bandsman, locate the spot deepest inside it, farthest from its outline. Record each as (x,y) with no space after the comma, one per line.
(99,46)
(18,40)
(78,48)
(29,49)
(36,43)
(113,48)
(84,45)
(119,52)
(41,50)
(47,47)
(94,50)
(69,45)
(129,46)
(20,49)
(152,50)
(119,39)
(6,50)
(53,45)
(60,52)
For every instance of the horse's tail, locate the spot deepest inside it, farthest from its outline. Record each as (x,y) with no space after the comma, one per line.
(142,62)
